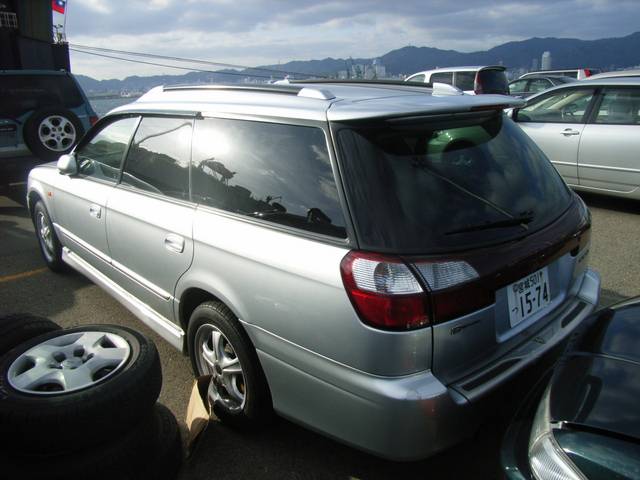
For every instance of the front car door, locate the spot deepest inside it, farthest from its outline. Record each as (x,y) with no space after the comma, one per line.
(555,121)
(81,199)
(609,156)
(150,215)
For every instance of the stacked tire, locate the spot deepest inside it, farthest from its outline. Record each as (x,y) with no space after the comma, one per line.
(82,403)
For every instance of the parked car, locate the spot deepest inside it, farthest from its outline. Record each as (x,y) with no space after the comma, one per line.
(44,113)
(591,133)
(576,73)
(525,87)
(587,422)
(632,72)
(366,259)
(471,80)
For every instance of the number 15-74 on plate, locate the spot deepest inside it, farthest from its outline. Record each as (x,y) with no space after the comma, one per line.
(528,296)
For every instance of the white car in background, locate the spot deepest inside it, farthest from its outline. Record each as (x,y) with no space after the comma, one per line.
(590,130)
(471,80)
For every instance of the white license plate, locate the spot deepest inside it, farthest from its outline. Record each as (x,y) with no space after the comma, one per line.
(528,296)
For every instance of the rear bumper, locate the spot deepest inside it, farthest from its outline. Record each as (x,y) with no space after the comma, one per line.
(401,418)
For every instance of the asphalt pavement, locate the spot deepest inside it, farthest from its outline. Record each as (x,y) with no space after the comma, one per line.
(285,450)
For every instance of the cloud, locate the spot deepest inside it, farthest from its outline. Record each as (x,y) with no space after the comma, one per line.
(253,32)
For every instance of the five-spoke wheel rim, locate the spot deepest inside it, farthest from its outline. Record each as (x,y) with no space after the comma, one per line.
(68,363)
(216,356)
(57,133)
(44,232)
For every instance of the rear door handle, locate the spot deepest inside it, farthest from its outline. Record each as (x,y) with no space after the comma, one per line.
(174,243)
(95,210)
(567,132)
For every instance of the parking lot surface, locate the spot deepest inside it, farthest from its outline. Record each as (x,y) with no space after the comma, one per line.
(286,451)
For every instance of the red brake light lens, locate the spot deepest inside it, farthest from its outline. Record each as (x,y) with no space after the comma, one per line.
(587,72)
(93,120)
(384,291)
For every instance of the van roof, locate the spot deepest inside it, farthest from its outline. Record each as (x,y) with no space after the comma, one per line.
(321,101)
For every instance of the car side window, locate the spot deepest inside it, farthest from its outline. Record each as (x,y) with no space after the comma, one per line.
(101,157)
(273,172)
(158,160)
(619,107)
(518,87)
(442,77)
(538,85)
(416,78)
(565,106)
(465,80)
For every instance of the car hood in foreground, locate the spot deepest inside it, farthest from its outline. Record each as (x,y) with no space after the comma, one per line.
(597,385)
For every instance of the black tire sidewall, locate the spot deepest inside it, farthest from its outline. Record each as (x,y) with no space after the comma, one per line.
(94,414)
(32,138)
(258,408)
(52,259)
(20,327)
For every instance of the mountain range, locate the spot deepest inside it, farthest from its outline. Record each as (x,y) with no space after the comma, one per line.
(606,53)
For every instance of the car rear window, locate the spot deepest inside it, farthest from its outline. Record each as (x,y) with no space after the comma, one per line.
(493,81)
(442,184)
(23,93)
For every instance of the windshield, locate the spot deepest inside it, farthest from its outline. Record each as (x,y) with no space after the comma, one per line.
(446,184)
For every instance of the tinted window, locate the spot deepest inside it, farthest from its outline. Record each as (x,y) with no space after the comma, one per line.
(158,160)
(566,106)
(423,187)
(22,93)
(493,81)
(102,156)
(465,80)
(278,173)
(416,78)
(620,106)
(442,77)
(518,87)
(538,84)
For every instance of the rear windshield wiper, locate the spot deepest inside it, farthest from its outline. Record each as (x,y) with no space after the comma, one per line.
(522,221)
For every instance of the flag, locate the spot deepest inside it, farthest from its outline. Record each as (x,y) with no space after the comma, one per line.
(58,5)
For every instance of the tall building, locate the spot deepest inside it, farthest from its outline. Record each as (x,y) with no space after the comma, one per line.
(545,63)
(534,64)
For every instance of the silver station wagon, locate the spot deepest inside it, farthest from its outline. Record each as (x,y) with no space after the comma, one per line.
(369,260)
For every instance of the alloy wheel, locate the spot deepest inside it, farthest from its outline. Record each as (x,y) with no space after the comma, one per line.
(57,133)
(217,357)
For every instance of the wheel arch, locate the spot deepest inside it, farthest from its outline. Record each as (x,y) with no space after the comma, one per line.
(190,299)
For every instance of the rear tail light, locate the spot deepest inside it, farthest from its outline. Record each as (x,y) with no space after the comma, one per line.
(93,120)
(587,72)
(384,291)
(387,294)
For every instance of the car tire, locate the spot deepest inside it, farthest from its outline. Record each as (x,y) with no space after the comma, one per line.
(87,384)
(50,245)
(51,132)
(151,449)
(20,327)
(218,346)
(167,452)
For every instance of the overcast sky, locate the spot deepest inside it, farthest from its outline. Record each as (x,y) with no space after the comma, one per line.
(252,32)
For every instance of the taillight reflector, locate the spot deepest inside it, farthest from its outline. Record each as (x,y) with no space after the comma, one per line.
(384,291)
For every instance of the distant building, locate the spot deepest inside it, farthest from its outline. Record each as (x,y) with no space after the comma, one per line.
(534,64)
(546,61)
(379,69)
(343,75)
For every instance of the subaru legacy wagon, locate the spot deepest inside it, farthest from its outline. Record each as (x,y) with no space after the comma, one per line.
(369,260)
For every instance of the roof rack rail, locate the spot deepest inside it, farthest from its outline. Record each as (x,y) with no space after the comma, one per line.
(399,83)
(280,87)
(269,88)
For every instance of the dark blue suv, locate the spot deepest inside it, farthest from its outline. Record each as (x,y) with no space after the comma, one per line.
(43,113)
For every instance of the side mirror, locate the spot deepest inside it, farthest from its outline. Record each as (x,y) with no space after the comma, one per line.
(67,165)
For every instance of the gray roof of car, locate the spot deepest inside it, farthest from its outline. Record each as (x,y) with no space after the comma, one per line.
(312,101)
(599,82)
(633,72)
